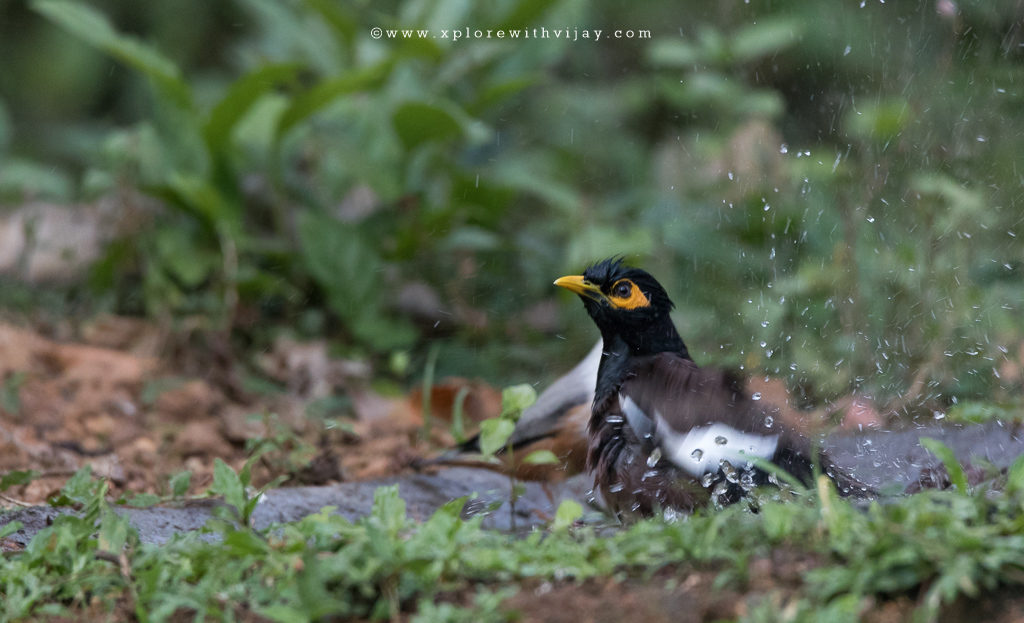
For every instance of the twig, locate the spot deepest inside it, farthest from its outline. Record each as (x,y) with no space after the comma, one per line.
(21,503)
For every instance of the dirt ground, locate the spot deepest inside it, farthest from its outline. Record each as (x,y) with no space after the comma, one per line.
(122,398)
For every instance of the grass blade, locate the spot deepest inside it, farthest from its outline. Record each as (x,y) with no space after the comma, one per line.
(949,460)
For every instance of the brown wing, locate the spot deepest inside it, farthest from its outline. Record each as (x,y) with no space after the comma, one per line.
(686,396)
(669,413)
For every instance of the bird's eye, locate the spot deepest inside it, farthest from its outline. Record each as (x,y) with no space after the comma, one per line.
(623,289)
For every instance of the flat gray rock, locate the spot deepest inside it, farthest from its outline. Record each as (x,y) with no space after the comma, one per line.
(878,458)
(423,494)
(875,457)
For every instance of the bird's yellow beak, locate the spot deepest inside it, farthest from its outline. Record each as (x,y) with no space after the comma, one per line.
(579,285)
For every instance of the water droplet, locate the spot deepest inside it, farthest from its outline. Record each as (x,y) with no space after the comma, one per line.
(649,474)
(720,440)
(614,419)
(697,454)
(707,479)
(768,421)
(671,515)
(756,396)
(747,480)
(655,456)
(616,487)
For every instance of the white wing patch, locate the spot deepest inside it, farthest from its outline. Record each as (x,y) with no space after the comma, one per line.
(640,422)
(701,449)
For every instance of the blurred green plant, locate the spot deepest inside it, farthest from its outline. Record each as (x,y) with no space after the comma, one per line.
(940,544)
(827,192)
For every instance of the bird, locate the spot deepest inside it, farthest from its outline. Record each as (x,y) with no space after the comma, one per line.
(665,434)
(557,422)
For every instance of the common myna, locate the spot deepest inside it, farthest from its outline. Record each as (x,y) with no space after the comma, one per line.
(664,433)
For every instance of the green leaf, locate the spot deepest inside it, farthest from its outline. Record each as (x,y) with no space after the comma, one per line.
(347,267)
(881,121)
(673,53)
(139,500)
(418,122)
(494,434)
(516,399)
(95,29)
(949,460)
(341,22)
(765,37)
(389,509)
(202,198)
(601,240)
(245,543)
(1014,476)
(17,478)
(180,483)
(10,392)
(20,178)
(245,92)
(180,256)
(568,512)
(308,103)
(226,483)
(10,528)
(541,457)
(80,489)
(114,532)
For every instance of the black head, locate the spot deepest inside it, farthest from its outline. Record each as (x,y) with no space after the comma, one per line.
(627,304)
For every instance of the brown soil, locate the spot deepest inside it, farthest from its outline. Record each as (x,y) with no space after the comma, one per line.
(124,401)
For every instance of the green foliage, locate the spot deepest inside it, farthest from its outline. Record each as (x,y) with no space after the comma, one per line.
(568,512)
(17,478)
(945,454)
(10,392)
(977,412)
(347,267)
(236,489)
(495,432)
(541,457)
(93,27)
(814,212)
(947,543)
(179,483)
(516,399)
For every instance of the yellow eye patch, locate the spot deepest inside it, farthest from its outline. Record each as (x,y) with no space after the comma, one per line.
(626,295)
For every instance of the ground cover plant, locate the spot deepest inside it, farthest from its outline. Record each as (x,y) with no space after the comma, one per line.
(937,547)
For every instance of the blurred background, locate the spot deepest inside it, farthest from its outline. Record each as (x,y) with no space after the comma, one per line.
(831,192)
